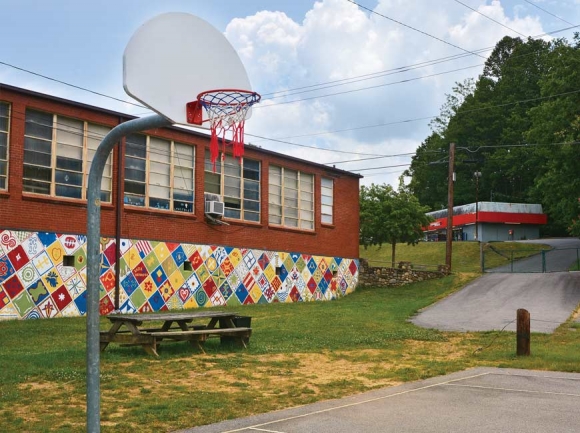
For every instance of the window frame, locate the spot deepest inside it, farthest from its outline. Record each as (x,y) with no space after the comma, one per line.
(243,198)
(322,204)
(7,132)
(54,143)
(174,164)
(300,193)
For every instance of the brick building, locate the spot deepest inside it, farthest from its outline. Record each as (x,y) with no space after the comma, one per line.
(289,230)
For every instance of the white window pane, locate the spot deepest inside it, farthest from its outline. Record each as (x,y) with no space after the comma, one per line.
(327,210)
(325,200)
(275,209)
(275,219)
(159,168)
(290,202)
(183,178)
(69,131)
(290,212)
(67,151)
(95,134)
(274,189)
(326,182)
(306,196)
(290,222)
(307,205)
(274,171)
(275,199)
(232,167)
(327,219)
(159,150)
(106,184)
(183,155)
(290,193)
(158,179)
(158,191)
(232,192)
(307,215)
(308,225)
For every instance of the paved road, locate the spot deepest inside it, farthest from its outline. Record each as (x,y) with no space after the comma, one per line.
(490,302)
(481,400)
(565,253)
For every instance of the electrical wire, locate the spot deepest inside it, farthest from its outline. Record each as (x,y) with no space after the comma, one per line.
(480,349)
(490,18)
(414,29)
(368,87)
(401,69)
(548,12)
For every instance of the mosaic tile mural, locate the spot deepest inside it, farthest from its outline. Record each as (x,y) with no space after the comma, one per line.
(157,276)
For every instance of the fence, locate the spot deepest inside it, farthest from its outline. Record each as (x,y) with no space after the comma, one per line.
(530,261)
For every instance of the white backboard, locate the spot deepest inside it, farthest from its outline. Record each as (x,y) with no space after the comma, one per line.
(173,57)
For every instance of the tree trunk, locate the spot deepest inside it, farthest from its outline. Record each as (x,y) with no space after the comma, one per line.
(393,245)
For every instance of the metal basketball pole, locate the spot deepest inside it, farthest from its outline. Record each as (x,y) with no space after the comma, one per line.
(94,256)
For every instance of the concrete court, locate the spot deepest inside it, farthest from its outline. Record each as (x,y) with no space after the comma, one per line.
(480,400)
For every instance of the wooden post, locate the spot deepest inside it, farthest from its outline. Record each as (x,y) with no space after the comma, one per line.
(523,333)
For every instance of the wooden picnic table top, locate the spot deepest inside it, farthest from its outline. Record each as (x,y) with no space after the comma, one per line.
(169,316)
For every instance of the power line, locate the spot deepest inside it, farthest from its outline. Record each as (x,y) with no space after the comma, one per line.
(297,90)
(548,12)
(397,122)
(490,18)
(377,168)
(395,70)
(368,87)
(415,29)
(71,85)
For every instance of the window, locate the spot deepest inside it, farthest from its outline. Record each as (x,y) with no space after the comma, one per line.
(58,152)
(159,173)
(326,200)
(238,185)
(291,198)
(4,122)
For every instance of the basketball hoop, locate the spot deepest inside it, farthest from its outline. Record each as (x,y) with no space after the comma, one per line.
(226,110)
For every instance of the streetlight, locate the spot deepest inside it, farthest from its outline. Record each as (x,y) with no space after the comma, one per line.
(476,175)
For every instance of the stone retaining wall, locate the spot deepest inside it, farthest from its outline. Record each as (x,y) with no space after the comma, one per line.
(371,276)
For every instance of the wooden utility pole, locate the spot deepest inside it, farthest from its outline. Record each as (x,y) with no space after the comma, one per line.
(523,333)
(450,181)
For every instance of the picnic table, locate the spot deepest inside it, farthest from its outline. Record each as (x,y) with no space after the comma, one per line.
(128,329)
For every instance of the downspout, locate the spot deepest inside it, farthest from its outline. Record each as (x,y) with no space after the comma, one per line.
(118,218)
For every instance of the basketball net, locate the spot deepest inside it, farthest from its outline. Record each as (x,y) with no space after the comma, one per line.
(226,111)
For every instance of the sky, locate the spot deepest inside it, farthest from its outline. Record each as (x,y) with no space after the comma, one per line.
(345,95)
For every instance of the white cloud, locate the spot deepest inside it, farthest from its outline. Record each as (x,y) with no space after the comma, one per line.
(337,40)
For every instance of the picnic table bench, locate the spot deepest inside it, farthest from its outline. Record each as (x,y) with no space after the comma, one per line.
(127,329)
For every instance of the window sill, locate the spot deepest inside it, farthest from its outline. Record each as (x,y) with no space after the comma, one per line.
(61,200)
(236,222)
(327,226)
(4,193)
(159,212)
(293,230)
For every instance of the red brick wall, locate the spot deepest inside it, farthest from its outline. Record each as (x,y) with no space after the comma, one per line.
(33,212)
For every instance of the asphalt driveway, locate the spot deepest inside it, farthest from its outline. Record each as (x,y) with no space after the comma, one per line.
(491,301)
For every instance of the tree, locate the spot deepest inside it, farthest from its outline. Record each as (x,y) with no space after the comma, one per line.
(389,216)
(519,125)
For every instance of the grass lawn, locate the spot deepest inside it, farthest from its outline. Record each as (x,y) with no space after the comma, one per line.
(298,354)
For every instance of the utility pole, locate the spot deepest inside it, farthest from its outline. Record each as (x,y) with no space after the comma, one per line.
(450,181)
(477,175)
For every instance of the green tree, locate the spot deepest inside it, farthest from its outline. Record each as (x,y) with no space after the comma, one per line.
(388,216)
(557,120)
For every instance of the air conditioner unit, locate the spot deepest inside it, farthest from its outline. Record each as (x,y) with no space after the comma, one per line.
(214,208)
